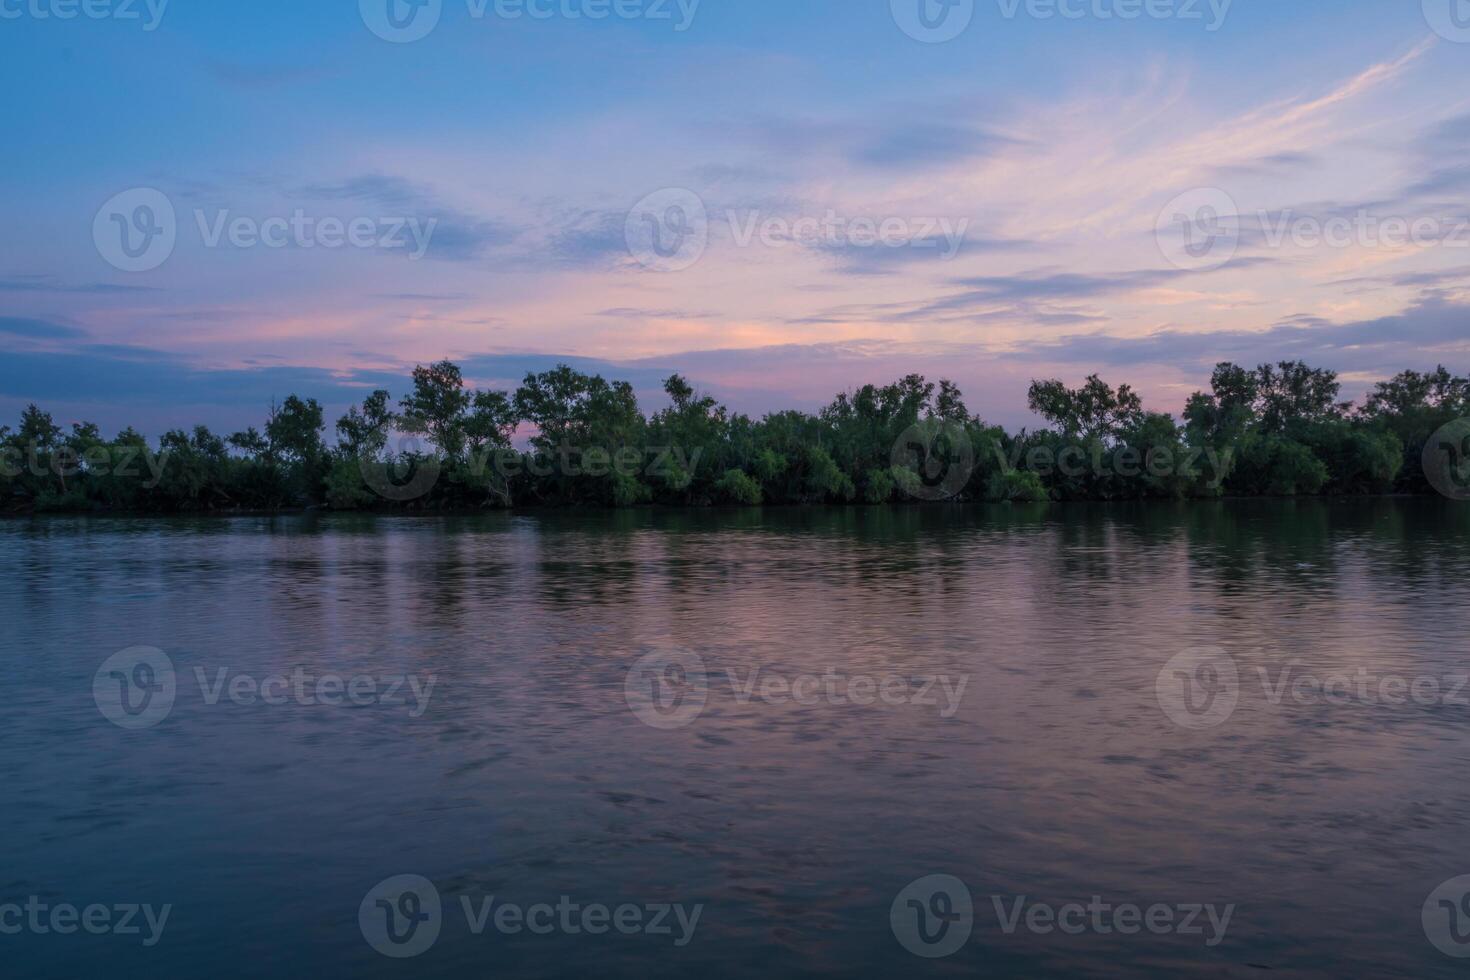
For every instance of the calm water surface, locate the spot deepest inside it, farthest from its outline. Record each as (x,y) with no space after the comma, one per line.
(1059,776)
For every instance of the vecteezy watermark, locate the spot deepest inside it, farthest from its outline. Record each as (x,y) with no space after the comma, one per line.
(138,230)
(1075,461)
(405,476)
(1201,688)
(935,916)
(401,21)
(938,456)
(409,476)
(1363,229)
(1202,229)
(935,460)
(1210,13)
(406,21)
(670,230)
(1447,460)
(1199,229)
(667,231)
(669,689)
(1446,917)
(137,688)
(941,237)
(62,919)
(404,916)
(1450,19)
(303,230)
(120,461)
(937,21)
(1099,917)
(149,13)
(401,917)
(933,21)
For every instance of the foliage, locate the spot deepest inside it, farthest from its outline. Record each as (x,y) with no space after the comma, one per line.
(1272,430)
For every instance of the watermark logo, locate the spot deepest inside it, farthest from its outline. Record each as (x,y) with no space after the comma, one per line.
(1447,460)
(1199,689)
(125,10)
(933,21)
(850,236)
(933,917)
(136,231)
(120,462)
(1106,10)
(401,21)
(671,689)
(680,13)
(410,235)
(1209,921)
(1450,19)
(1364,229)
(1202,688)
(135,688)
(939,458)
(1128,462)
(406,21)
(409,476)
(1446,917)
(307,690)
(668,231)
(402,916)
(1199,229)
(40,918)
(667,689)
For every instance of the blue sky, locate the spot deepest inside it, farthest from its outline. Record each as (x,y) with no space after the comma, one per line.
(1023,171)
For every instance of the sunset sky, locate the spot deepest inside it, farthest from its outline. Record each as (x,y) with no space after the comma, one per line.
(1047,148)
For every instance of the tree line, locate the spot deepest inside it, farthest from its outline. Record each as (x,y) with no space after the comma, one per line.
(1275,430)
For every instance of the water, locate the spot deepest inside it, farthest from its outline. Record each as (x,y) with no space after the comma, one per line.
(795,823)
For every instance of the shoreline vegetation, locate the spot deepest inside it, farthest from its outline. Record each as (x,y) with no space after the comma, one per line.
(1272,431)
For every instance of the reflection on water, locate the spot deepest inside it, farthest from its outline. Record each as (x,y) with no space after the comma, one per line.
(793,821)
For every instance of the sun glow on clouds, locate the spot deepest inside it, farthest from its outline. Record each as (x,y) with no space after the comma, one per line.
(1077,186)
(1057,189)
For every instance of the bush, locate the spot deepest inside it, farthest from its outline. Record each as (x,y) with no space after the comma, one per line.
(737,487)
(627,491)
(346,488)
(878,487)
(1019,486)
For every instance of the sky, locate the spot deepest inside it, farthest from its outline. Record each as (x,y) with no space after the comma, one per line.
(211,205)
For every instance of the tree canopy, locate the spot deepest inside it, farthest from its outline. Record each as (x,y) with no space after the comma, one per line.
(1276,429)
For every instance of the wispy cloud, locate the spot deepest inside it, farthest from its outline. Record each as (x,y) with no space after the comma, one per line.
(34,329)
(632,313)
(457,235)
(40,283)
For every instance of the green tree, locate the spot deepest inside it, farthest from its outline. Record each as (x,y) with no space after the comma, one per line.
(1412,406)
(582,421)
(1094,411)
(1291,394)
(294,435)
(701,430)
(294,431)
(364,434)
(437,407)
